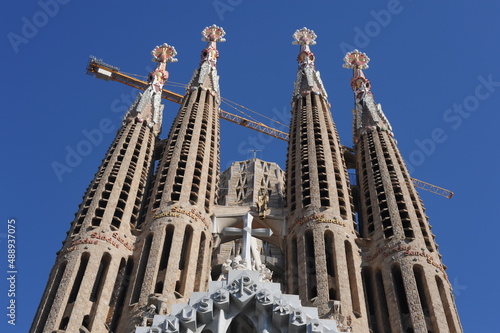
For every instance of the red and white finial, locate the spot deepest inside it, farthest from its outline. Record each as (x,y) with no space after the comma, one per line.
(213,33)
(206,75)
(161,54)
(368,115)
(305,37)
(164,53)
(356,60)
(308,78)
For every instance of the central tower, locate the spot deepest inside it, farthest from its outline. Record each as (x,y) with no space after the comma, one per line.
(322,256)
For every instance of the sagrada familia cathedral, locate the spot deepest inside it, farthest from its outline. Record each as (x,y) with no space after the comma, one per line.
(164,242)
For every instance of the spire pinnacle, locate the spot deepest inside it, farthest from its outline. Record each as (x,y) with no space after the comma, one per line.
(305,37)
(206,75)
(147,106)
(367,114)
(161,54)
(308,78)
(356,60)
(212,35)
(164,53)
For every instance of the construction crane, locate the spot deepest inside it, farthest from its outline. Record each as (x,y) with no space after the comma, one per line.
(433,188)
(107,72)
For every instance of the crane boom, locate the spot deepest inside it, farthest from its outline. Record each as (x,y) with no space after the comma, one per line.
(432,188)
(106,72)
(103,71)
(259,127)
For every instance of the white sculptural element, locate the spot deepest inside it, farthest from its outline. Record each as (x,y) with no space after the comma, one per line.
(250,256)
(265,273)
(148,314)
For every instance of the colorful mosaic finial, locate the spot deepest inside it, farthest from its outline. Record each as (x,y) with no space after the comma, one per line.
(356,60)
(164,53)
(308,78)
(206,75)
(213,33)
(368,115)
(304,36)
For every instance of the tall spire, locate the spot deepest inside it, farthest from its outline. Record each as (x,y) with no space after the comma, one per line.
(323,261)
(367,113)
(206,75)
(147,106)
(308,78)
(391,213)
(87,288)
(174,254)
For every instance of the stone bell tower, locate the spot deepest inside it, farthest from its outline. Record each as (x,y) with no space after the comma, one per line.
(173,253)
(407,288)
(84,287)
(322,255)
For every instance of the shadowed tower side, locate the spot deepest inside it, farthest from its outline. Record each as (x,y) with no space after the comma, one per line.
(84,287)
(323,261)
(406,284)
(173,254)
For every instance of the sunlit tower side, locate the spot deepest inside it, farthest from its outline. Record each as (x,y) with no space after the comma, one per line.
(407,288)
(85,287)
(323,261)
(173,254)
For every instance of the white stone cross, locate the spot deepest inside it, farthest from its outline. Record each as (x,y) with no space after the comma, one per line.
(247,233)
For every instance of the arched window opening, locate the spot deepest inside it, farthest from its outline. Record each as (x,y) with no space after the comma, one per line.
(183,262)
(141,270)
(54,287)
(353,281)
(446,305)
(402,300)
(310,265)
(201,261)
(165,255)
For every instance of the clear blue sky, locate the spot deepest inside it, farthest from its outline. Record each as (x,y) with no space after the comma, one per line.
(433,68)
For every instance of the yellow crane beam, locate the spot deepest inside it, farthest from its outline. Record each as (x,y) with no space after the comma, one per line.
(432,188)
(257,126)
(103,71)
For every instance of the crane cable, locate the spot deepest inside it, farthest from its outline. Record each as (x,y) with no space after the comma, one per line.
(230,103)
(227,101)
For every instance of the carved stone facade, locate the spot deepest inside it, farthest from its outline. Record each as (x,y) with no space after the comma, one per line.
(167,246)
(254,182)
